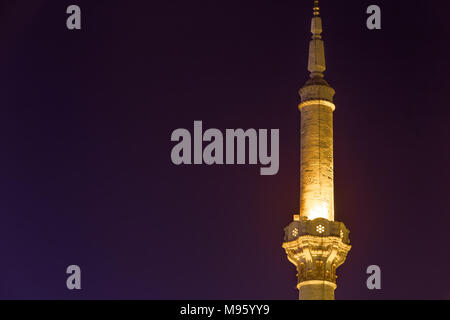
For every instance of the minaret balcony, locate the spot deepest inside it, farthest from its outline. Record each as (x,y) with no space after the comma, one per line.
(319,227)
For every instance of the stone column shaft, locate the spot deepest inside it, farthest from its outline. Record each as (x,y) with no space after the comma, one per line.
(316,162)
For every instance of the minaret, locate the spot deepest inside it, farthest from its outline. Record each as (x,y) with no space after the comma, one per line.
(314,242)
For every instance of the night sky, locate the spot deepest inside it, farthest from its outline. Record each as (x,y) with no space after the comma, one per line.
(85,123)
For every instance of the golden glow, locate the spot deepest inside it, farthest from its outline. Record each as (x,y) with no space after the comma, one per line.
(319,210)
(317,102)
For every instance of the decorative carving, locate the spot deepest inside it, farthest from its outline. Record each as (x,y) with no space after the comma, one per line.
(319,248)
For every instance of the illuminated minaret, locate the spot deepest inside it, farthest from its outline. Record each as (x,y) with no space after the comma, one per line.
(314,242)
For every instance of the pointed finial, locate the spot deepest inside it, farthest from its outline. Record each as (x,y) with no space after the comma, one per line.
(316,24)
(316,87)
(316,62)
(316,8)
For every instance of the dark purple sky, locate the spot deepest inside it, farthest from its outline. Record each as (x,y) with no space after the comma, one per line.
(85,124)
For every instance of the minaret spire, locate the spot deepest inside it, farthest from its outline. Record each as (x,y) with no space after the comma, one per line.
(314,242)
(316,170)
(316,62)
(316,8)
